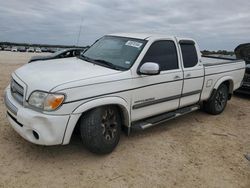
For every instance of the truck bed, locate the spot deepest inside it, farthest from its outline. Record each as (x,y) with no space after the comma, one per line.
(216,68)
(213,61)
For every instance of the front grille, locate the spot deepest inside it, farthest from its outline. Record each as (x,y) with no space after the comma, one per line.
(17,91)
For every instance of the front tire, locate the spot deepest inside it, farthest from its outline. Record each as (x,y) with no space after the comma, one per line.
(218,101)
(100,129)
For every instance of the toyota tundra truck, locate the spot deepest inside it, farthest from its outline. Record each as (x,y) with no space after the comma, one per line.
(123,82)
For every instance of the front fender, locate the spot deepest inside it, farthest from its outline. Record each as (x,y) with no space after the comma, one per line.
(94,103)
(100,102)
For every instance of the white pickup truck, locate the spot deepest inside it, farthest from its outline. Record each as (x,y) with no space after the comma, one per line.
(122,82)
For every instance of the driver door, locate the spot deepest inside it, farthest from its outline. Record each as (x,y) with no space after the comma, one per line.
(156,94)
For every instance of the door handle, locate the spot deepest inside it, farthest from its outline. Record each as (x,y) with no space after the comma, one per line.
(177,77)
(188,75)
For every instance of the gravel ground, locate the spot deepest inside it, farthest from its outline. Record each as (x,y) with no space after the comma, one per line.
(196,150)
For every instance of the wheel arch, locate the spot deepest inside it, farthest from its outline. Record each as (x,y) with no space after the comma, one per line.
(122,105)
(224,80)
(228,80)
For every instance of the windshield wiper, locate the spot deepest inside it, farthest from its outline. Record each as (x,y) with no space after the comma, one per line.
(106,63)
(100,62)
(85,58)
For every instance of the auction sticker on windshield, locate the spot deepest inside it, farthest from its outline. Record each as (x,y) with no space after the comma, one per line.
(133,44)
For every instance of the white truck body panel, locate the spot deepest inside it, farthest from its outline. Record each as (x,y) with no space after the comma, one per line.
(88,86)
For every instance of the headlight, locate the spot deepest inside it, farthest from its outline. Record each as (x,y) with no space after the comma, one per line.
(46,101)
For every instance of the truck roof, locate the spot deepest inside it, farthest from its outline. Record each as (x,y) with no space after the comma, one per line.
(147,36)
(143,36)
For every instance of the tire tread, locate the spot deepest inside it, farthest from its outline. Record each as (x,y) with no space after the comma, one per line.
(209,105)
(90,132)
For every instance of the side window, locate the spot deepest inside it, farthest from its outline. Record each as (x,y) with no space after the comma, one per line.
(164,53)
(189,54)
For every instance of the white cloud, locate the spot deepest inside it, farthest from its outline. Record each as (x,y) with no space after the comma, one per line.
(215,24)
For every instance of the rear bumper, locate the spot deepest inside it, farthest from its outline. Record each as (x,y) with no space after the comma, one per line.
(36,127)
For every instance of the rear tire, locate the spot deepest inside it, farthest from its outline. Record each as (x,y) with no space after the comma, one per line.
(218,101)
(100,129)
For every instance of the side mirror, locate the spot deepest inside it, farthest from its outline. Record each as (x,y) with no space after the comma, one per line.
(150,68)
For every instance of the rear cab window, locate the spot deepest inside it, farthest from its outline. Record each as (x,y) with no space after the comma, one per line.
(189,53)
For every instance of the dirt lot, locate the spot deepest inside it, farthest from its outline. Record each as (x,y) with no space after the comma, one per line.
(196,150)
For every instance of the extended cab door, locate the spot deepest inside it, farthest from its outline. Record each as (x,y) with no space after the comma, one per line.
(160,93)
(193,73)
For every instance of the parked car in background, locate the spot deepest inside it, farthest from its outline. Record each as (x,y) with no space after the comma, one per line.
(30,49)
(8,48)
(38,50)
(122,82)
(59,49)
(21,49)
(49,50)
(43,49)
(14,49)
(71,52)
(243,52)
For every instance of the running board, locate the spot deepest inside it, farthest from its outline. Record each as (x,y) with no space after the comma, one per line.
(155,120)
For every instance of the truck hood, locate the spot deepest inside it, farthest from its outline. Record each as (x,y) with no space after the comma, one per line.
(46,75)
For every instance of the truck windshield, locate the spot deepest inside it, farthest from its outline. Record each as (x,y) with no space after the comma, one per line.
(115,52)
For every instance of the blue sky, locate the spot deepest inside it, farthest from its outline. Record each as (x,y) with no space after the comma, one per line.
(215,24)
